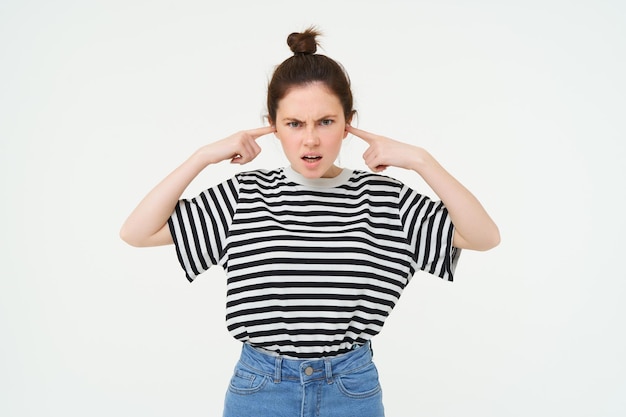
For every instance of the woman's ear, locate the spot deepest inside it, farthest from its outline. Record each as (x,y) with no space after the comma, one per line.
(350,117)
(271,122)
(348,121)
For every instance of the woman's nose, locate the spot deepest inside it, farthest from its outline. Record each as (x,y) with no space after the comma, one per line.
(311,138)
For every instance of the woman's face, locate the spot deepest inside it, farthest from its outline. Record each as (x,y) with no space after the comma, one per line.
(311,126)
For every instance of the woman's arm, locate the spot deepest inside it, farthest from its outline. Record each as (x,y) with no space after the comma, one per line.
(474,229)
(147,224)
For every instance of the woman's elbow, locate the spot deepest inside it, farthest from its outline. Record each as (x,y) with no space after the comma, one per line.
(482,241)
(128,237)
(492,240)
(143,240)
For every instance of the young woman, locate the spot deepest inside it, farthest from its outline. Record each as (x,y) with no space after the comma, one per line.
(316,256)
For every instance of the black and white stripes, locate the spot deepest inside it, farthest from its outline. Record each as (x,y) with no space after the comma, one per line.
(313,266)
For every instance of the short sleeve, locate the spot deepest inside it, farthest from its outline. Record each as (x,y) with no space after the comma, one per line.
(199,227)
(430,232)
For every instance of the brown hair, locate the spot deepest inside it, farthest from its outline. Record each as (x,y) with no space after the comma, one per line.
(305,67)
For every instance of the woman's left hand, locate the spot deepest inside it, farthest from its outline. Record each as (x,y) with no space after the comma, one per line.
(474,229)
(384,152)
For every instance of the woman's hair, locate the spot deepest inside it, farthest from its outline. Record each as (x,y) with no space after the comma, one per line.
(305,67)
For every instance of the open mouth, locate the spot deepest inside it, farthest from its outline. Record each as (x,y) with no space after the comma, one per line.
(311,158)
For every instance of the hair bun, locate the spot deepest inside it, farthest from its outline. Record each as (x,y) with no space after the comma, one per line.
(303,43)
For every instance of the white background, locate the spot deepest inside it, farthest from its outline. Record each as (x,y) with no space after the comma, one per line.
(523,101)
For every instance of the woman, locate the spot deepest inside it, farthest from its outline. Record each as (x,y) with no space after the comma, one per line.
(316,256)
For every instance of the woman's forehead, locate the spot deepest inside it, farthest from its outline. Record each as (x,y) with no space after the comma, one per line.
(309,99)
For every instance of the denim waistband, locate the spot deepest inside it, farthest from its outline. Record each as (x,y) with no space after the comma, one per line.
(281,368)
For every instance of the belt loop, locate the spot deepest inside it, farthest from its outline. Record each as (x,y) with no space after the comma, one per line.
(278,369)
(329,371)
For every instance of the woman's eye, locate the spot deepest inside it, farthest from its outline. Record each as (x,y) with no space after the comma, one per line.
(293,124)
(327,122)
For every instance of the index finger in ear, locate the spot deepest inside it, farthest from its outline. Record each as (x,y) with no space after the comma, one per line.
(366,136)
(261,131)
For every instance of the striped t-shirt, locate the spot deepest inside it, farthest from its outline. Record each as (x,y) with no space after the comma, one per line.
(314,266)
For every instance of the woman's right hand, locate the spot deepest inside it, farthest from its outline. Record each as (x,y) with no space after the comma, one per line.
(147,224)
(239,148)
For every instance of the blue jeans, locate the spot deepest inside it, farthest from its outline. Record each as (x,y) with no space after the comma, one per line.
(267,385)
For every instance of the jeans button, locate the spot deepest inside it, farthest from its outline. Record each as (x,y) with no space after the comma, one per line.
(308,371)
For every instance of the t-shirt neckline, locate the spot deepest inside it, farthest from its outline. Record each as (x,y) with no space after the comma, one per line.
(333,182)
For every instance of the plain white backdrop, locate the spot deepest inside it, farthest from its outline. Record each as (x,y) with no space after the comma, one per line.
(523,101)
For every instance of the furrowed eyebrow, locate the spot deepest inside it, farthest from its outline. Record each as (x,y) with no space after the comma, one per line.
(293,119)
